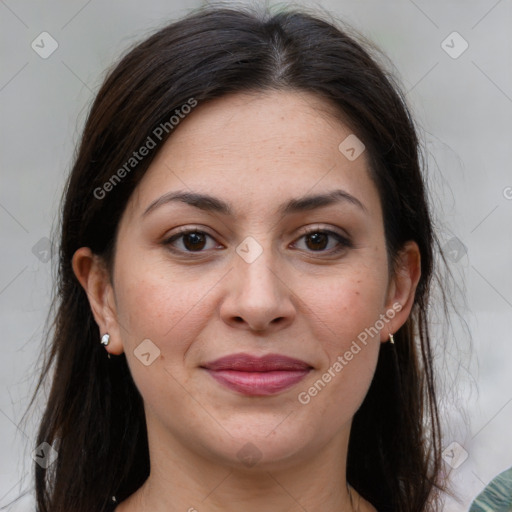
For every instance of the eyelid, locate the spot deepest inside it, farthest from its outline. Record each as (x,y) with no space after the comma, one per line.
(325,229)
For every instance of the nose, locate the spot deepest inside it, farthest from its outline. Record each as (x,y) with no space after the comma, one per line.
(258,296)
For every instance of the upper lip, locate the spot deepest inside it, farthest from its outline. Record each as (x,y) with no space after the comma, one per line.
(249,363)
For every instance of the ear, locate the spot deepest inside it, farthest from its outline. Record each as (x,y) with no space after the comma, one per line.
(91,272)
(402,288)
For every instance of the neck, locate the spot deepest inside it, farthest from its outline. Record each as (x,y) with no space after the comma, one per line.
(182,480)
(185,477)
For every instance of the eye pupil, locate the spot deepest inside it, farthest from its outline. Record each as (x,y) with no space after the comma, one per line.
(195,238)
(318,238)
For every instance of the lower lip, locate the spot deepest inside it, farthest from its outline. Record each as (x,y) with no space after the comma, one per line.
(258,383)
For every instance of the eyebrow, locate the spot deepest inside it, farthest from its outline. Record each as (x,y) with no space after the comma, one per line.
(213,204)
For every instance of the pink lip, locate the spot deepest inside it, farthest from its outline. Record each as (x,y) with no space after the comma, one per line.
(255,376)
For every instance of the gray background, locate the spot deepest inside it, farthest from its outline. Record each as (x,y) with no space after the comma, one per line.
(463,107)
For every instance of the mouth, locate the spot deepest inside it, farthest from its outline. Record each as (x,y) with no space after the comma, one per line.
(257,376)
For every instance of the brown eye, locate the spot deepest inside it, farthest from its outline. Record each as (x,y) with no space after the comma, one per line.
(191,241)
(194,241)
(319,240)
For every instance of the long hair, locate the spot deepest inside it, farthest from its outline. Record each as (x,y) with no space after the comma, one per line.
(94,414)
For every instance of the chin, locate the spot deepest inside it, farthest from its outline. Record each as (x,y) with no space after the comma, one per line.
(270,447)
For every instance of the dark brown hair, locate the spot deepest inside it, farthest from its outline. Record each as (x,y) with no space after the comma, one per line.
(94,414)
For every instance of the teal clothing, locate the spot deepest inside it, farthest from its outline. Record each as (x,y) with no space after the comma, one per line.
(497,496)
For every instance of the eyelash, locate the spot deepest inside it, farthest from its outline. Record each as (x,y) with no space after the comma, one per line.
(343,242)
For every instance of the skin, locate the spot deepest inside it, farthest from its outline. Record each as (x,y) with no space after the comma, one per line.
(298,299)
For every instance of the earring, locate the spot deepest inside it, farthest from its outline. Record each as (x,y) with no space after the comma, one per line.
(391,339)
(105,339)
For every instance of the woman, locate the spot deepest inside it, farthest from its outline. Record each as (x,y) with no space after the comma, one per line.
(245,268)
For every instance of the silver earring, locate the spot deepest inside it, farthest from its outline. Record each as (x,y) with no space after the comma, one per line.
(105,339)
(391,339)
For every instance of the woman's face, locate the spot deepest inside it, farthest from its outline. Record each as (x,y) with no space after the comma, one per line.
(250,170)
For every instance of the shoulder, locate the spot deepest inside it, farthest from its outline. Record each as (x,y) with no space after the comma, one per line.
(497,495)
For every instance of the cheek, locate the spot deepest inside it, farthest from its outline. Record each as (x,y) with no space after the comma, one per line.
(151,305)
(345,306)
(154,304)
(345,310)
(345,315)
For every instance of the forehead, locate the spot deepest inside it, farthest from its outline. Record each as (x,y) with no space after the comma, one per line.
(255,150)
